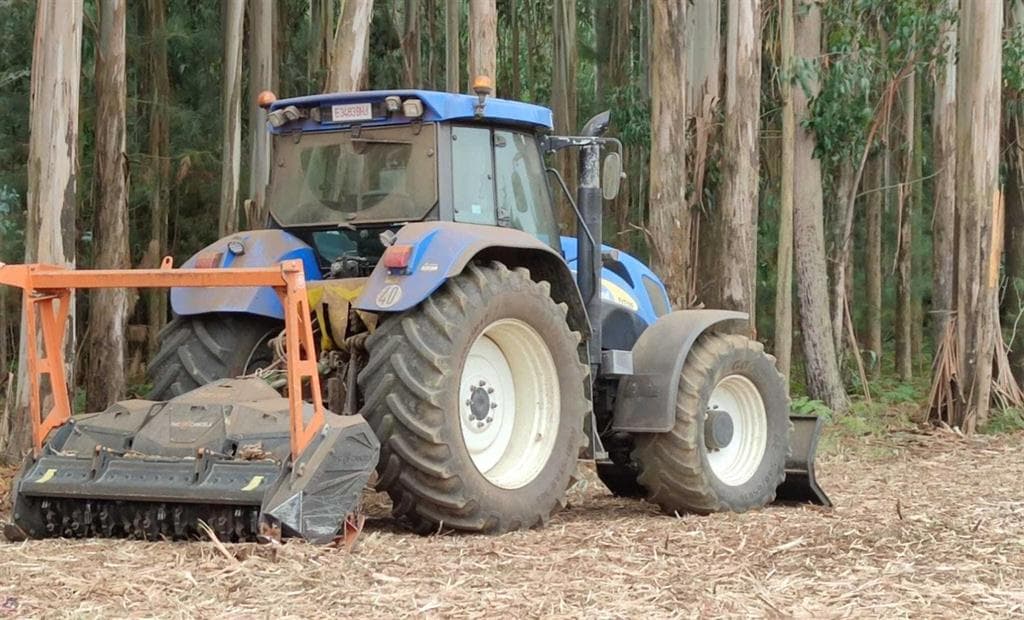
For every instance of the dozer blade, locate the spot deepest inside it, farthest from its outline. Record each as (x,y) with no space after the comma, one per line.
(800,485)
(219,454)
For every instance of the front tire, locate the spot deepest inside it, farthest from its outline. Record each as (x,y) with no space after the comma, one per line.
(728,449)
(478,397)
(196,350)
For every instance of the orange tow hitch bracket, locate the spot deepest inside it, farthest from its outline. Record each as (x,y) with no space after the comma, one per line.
(47,295)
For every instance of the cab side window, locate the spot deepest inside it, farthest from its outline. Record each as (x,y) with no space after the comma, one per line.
(523,199)
(473,176)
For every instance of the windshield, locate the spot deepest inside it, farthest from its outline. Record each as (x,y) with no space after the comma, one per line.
(383,175)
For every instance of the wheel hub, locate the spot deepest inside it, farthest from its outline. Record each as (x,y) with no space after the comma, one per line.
(718,429)
(481,407)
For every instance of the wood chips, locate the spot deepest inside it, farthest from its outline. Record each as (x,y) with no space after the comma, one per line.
(925,525)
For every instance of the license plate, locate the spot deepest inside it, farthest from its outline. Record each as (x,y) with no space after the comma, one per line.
(351,112)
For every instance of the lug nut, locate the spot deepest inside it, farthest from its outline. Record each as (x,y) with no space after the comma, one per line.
(479,424)
(468,402)
(490,419)
(482,383)
(494,405)
(490,390)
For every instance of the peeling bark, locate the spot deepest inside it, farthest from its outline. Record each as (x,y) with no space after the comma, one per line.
(783,346)
(351,44)
(231,115)
(823,380)
(670,219)
(978,109)
(483,40)
(944,155)
(262,64)
(452,63)
(159,163)
(52,177)
(108,308)
(734,259)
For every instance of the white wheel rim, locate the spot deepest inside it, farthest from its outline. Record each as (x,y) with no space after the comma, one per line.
(509,403)
(736,462)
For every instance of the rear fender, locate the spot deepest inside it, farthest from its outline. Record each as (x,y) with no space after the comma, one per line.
(441,250)
(260,248)
(646,401)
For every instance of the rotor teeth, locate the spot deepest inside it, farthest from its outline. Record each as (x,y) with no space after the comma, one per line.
(70,518)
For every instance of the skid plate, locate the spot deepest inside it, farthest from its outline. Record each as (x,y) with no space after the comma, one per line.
(801,486)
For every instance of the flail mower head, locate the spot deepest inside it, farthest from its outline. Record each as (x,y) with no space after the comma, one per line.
(233,454)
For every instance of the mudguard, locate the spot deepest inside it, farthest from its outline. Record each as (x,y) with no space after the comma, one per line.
(441,250)
(259,248)
(646,401)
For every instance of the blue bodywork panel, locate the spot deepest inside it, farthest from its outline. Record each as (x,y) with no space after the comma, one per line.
(437,107)
(632,292)
(440,251)
(261,248)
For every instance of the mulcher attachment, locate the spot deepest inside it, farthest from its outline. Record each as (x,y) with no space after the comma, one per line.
(800,485)
(219,454)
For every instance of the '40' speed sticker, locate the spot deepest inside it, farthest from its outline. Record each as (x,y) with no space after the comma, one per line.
(389,296)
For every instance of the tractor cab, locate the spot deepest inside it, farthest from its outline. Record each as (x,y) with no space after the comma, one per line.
(348,166)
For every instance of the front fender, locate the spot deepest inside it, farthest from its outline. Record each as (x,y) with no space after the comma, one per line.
(646,401)
(261,248)
(441,250)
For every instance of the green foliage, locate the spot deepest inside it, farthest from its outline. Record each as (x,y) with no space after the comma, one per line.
(1003,421)
(808,406)
(868,43)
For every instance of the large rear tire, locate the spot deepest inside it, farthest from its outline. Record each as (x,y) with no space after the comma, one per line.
(478,397)
(728,449)
(195,350)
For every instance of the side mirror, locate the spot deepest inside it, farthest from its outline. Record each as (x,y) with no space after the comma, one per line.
(611,175)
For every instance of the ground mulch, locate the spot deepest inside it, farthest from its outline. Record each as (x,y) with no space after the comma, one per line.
(925,525)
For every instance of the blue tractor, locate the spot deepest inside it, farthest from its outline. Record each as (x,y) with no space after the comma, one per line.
(487,352)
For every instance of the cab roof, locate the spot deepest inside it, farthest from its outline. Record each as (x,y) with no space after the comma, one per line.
(437,107)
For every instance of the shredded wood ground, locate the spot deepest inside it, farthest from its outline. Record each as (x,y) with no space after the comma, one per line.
(925,525)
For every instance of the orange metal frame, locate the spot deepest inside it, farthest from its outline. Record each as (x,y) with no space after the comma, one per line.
(47,296)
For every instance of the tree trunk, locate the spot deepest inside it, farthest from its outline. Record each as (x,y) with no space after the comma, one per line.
(160,162)
(619,73)
(1013,240)
(231,114)
(321,20)
(840,256)
(517,85)
(904,314)
(411,45)
(452,63)
(1013,144)
(563,98)
(783,341)
(873,260)
(53,144)
(978,107)
(734,261)
(669,212)
(108,308)
(5,347)
(823,380)
(483,40)
(944,154)
(431,80)
(351,44)
(262,63)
